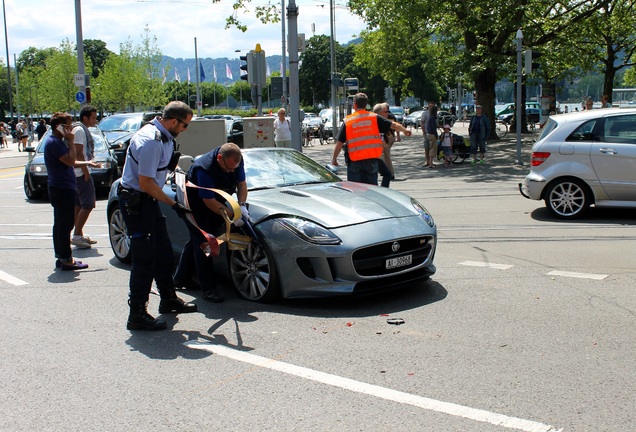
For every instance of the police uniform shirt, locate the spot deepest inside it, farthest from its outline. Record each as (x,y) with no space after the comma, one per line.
(150,152)
(384,125)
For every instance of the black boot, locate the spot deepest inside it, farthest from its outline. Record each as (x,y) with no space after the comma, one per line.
(140,319)
(175,305)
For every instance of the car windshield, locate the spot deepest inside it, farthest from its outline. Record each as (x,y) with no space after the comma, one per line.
(277,167)
(120,123)
(98,139)
(396,110)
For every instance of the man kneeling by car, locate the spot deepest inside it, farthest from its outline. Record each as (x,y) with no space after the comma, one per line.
(221,168)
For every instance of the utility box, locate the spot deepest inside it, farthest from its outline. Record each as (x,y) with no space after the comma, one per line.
(202,136)
(258,132)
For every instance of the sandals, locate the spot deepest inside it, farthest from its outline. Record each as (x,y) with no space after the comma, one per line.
(75,265)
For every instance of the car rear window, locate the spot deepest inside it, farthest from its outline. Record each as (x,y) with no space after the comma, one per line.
(585,132)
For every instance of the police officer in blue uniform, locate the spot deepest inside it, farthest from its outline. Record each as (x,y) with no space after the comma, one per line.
(149,157)
(222,168)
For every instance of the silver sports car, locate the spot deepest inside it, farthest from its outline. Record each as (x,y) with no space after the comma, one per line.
(316,235)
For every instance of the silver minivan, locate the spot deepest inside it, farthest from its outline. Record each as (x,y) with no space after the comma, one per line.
(582,159)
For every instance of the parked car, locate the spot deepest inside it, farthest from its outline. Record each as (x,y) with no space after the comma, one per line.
(36,177)
(532,114)
(316,235)
(446,118)
(234,129)
(398,112)
(413,119)
(119,128)
(583,159)
(509,108)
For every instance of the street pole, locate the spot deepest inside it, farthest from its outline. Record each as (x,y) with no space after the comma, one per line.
(332,50)
(17,87)
(519,160)
(81,68)
(283,67)
(294,97)
(198,74)
(6,43)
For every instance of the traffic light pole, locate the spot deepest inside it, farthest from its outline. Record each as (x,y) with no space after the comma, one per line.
(518,102)
(294,97)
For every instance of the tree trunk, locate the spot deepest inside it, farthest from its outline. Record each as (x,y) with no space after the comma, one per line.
(485,86)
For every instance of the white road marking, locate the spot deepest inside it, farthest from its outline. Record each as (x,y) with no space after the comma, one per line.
(577,275)
(377,391)
(486,264)
(12,279)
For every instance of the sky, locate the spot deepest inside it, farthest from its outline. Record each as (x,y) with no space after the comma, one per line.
(175,24)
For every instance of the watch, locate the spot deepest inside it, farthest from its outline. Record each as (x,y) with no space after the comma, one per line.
(242,203)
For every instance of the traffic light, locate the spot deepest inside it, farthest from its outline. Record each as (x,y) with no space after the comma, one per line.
(247,67)
(531,64)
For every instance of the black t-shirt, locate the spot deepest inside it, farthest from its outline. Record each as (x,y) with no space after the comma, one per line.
(384,125)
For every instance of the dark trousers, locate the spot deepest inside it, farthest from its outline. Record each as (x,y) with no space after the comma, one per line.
(385,172)
(194,259)
(151,250)
(363,171)
(63,202)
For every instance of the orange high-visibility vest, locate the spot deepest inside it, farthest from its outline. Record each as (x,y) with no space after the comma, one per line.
(363,136)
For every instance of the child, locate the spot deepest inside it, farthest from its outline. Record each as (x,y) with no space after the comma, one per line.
(447,145)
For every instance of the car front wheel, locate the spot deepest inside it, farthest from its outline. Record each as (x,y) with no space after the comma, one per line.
(118,236)
(29,192)
(254,273)
(567,198)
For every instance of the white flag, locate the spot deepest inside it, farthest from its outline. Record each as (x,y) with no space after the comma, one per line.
(188,74)
(228,72)
(176,75)
(214,71)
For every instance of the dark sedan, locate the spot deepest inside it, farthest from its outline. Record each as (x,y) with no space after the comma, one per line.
(119,128)
(36,177)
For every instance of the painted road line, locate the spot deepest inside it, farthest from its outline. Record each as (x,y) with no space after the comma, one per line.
(577,275)
(486,264)
(11,279)
(377,391)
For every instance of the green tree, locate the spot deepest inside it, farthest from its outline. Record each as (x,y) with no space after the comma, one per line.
(117,87)
(96,51)
(34,58)
(486,31)
(56,83)
(315,70)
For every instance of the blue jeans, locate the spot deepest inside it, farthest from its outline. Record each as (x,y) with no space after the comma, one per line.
(63,202)
(151,250)
(363,171)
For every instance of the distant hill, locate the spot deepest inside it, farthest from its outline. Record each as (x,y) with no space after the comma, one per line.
(209,65)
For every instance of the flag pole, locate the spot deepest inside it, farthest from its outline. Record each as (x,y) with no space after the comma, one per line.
(198,74)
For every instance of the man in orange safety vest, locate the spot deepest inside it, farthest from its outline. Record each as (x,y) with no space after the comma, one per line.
(363,132)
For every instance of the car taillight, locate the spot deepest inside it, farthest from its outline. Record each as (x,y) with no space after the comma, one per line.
(538,158)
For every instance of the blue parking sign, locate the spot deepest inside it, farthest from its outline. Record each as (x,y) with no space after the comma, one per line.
(80,97)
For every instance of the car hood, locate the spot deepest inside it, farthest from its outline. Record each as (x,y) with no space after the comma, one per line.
(332,205)
(113,136)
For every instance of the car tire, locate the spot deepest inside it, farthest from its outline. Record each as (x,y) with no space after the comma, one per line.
(254,273)
(118,235)
(567,198)
(29,192)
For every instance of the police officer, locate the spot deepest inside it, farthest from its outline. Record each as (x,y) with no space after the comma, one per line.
(149,157)
(363,131)
(222,168)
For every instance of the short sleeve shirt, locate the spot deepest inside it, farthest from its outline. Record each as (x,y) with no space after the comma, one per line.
(60,175)
(80,138)
(148,155)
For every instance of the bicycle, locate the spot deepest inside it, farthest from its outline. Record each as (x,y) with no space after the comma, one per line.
(460,150)
(502,128)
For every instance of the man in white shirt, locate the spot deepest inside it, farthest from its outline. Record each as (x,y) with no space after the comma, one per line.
(84,150)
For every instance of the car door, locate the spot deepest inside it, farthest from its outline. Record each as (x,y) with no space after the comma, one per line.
(614,157)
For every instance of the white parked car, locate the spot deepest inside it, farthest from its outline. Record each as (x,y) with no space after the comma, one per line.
(582,159)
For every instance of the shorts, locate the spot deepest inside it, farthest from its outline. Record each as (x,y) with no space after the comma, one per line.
(85,193)
(430,142)
(477,144)
(446,150)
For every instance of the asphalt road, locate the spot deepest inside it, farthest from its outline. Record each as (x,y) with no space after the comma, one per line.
(527,325)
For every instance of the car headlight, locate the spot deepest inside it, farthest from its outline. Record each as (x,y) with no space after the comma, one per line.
(423,212)
(309,231)
(37,169)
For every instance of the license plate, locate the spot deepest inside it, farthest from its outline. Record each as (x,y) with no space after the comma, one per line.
(399,262)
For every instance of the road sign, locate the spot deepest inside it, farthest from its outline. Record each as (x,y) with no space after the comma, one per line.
(80,80)
(80,97)
(351,83)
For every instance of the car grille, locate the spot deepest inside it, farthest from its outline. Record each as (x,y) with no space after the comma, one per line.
(371,261)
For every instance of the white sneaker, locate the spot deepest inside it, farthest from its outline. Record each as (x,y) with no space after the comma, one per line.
(80,242)
(87,239)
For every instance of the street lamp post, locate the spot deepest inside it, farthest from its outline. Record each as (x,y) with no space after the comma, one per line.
(519,38)
(6,42)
